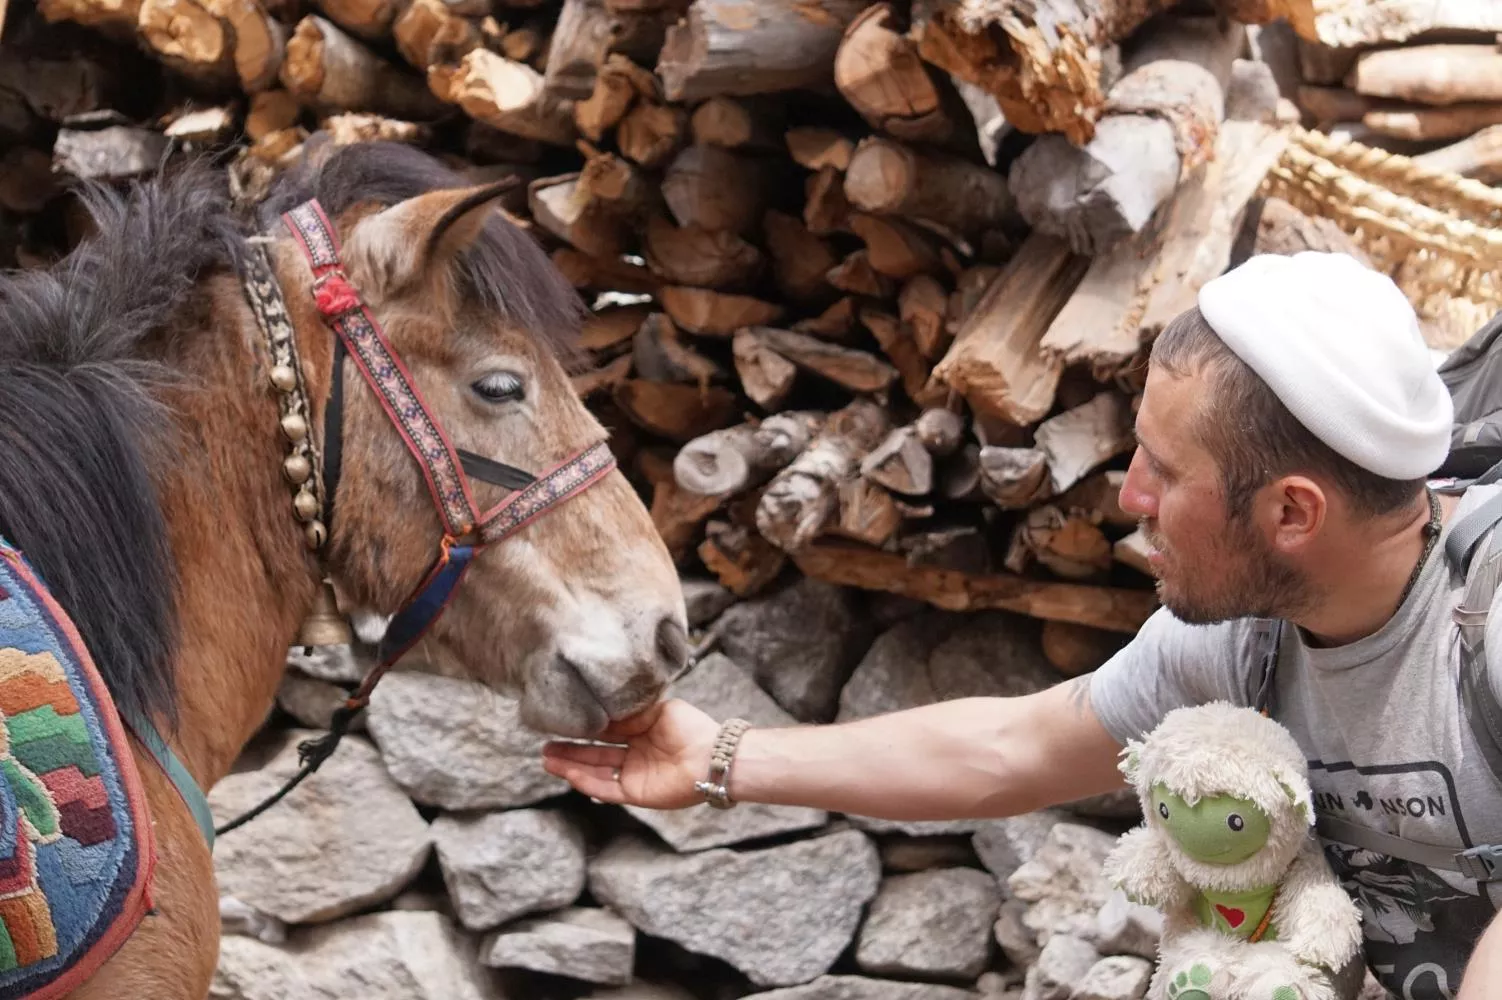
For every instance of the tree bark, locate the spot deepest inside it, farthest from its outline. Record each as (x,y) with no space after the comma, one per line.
(801,499)
(716,314)
(1014,478)
(867,513)
(896,248)
(592,225)
(651,132)
(800,260)
(506,95)
(612,326)
(714,188)
(901,463)
(898,344)
(604,274)
(736,459)
(1425,124)
(618,84)
(1160,124)
(660,355)
(766,376)
(1070,545)
(675,411)
(1430,74)
(855,275)
(855,370)
(429,32)
(216,41)
(888,178)
(744,562)
(922,306)
(329,70)
(729,48)
(677,514)
(368,20)
(746,123)
(586,33)
(825,209)
(1352,24)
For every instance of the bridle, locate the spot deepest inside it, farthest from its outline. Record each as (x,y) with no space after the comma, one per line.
(313,473)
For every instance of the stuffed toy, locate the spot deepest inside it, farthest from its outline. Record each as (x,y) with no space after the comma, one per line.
(1251,909)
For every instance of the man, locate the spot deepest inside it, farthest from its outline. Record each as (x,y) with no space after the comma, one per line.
(1285,434)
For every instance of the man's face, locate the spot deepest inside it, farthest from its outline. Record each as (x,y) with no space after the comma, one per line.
(1210,567)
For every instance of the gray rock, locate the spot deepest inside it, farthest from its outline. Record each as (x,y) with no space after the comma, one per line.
(345,839)
(800,643)
(721,688)
(1064,882)
(312,702)
(938,656)
(704,600)
(1000,986)
(236,917)
(1018,943)
(380,956)
(1123,927)
(585,943)
(1004,845)
(503,865)
(644,991)
(781,915)
(861,988)
(916,854)
(457,744)
(930,925)
(1064,962)
(337,664)
(1119,977)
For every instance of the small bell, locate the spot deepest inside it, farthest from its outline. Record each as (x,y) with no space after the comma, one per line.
(325,626)
(284,378)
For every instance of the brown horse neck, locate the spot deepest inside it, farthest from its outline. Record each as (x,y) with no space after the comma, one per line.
(246,577)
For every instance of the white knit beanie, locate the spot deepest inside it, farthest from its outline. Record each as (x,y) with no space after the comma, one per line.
(1339,344)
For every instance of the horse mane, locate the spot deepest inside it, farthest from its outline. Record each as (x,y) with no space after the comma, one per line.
(81,429)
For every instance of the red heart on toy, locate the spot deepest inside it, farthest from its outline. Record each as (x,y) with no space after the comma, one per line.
(1230,915)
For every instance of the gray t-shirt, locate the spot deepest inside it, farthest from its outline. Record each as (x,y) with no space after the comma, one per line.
(1388,743)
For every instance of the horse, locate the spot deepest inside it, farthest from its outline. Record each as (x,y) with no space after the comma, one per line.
(154,472)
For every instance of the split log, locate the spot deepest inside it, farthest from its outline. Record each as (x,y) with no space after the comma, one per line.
(922,306)
(117,153)
(852,369)
(729,48)
(271,111)
(958,549)
(651,133)
(1430,74)
(604,378)
(592,225)
(1329,105)
(528,43)
(716,314)
(714,188)
(1078,649)
(744,562)
(618,83)
(1353,24)
(995,361)
(802,498)
(705,258)
(855,275)
(746,123)
(115,18)
(735,459)
(959,477)
(676,513)
(1160,124)
(616,184)
(504,94)
(603,273)
(766,377)
(835,323)
(368,20)
(895,248)
(217,42)
(1069,544)
(817,148)
(26,180)
(849,565)
(675,411)
(1478,156)
(942,431)
(355,127)
(210,126)
(1042,63)
(1014,478)
(612,326)
(327,69)
(1133,551)
(1283,229)
(800,259)
(660,355)
(901,463)
(898,343)
(428,32)
(1425,124)
(1078,440)
(825,208)
(889,178)
(878,70)
(1100,495)
(867,513)
(586,33)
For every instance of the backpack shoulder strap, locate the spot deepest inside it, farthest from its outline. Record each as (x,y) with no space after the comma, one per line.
(1267,646)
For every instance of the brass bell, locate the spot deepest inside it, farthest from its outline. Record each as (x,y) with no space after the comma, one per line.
(284,378)
(316,534)
(294,427)
(325,626)
(297,469)
(305,505)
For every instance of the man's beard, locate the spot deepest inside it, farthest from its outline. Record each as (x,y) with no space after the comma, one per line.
(1248,581)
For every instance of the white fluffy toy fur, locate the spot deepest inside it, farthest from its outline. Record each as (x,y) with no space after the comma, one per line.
(1226,853)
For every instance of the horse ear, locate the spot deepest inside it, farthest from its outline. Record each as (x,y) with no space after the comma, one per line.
(401,244)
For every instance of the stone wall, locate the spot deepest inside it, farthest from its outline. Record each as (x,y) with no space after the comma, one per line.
(433,858)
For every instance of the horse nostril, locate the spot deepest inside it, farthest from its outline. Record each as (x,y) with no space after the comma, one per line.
(672,645)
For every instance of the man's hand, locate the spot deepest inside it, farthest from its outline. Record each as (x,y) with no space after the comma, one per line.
(666,749)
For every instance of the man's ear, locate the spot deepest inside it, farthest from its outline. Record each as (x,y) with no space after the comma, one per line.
(398,247)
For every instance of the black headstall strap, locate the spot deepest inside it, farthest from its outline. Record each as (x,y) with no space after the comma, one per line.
(446,470)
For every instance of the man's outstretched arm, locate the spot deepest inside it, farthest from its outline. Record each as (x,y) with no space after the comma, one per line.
(1483,973)
(967,758)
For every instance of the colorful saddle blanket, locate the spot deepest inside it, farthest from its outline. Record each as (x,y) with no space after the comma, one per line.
(76,849)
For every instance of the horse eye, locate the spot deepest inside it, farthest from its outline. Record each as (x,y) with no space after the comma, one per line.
(499,387)
(1163,809)
(1235,822)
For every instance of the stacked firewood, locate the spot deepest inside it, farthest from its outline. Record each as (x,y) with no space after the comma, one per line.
(1423,79)
(872,283)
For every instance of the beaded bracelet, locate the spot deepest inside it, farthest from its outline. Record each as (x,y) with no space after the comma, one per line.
(716,790)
